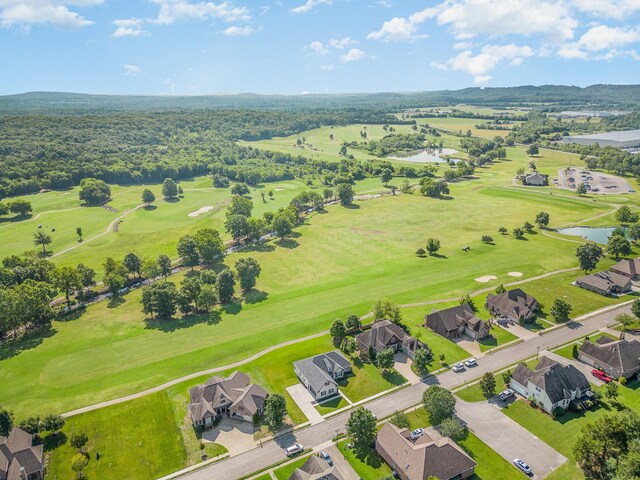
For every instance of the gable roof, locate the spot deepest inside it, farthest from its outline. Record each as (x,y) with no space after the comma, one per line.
(236,390)
(441,458)
(556,380)
(16,453)
(450,319)
(384,333)
(320,369)
(620,355)
(630,267)
(316,468)
(514,303)
(606,281)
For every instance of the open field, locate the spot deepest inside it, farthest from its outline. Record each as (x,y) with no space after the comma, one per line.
(562,432)
(342,262)
(462,125)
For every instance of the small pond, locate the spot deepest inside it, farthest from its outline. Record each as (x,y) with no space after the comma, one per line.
(428,155)
(598,235)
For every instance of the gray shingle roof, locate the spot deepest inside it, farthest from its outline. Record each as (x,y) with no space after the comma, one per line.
(629,267)
(513,303)
(451,319)
(16,452)
(558,381)
(320,369)
(315,468)
(622,355)
(384,333)
(606,281)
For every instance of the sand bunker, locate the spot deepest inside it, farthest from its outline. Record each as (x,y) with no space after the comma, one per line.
(278,189)
(486,278)
(515,274)
(201,210)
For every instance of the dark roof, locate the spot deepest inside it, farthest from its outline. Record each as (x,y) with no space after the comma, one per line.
(316,468)
(451,319)
(16,453)
(441,458)
(513,303)
(620,355)
(558,381)
(319,370)
(384,333)
(606,281)
(630,267)
(236,390)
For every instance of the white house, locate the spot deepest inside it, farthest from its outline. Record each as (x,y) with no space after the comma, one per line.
(319,374)
(552,385)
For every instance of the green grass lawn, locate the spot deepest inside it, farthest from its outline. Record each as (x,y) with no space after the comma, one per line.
(367,463)
(283,473)
(138,439)
(499,336)
(490,465)
(562,433)
(331,405)
(367,380)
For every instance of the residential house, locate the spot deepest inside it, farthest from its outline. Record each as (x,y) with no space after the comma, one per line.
(234,396)
(316,468)
(428,457)
(458,320)
(605,283)
(319,374)
(552,385)
(536,179)
(19,459)
(386,334)
(629,268)
(513,304)
(617,358)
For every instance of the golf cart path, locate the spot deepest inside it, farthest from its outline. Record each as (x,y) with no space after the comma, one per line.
(106,232)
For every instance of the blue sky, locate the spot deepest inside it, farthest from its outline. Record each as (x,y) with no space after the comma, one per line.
(318,46)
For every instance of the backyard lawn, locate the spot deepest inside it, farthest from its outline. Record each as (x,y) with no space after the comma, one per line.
(368,464)
(138,439)
(562,432)
(367,380)
(283,473)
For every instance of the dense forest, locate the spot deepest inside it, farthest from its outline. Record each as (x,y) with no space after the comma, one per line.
(57,151)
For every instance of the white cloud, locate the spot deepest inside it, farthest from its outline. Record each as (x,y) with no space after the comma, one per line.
(342,43)
(317,47)
(601,42)
(129,27)
(481,64)
(352,55)
(384,3)
(236,31)
(172,11)
(39,12)
(617,9)
(463,45)
(310,5)
(132,70)
(327,68)
(398,29)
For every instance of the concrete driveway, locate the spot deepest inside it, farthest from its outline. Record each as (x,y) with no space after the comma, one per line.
(306,402)
(508,438)
(403,366)
(235,435)
(348,473)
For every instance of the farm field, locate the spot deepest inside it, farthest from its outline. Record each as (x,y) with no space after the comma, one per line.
(462,125)
(340,264)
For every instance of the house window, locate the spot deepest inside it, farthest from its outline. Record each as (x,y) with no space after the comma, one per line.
(322,394)
(330,390)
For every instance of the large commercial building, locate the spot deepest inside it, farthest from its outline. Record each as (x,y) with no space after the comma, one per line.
(624,139)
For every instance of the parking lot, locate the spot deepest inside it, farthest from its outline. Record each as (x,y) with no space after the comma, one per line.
(596,183)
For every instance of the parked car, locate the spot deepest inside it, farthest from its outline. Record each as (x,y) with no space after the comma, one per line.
(506,394)
(416,434)
(458,367)
(522,465)
(294,449)
(599,374)
(503,321)
(471,363)
(326,457)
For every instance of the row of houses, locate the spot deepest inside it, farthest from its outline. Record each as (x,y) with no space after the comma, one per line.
(615,281)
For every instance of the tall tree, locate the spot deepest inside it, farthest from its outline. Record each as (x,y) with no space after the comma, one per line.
(159,299)
(386,309)
(338,331)
(188,251)
(439,404)
(164,263)
(94,191)
(560,310)
(625,215)
(169,188)
(361,428)
(209,245)
(240,189)
(488,385)
(433,245)
(132,263)
(345,194)
(6,421)
(282,225)
(240,206)
(618,246)
(384,359)
(275,411)
(386,176)
(225,285)
(421,360)
(41,239)
(68,281)
(589,254)
(542,219)
(208,297)
(148,197)
(20,207)
(237,226)
(248,270)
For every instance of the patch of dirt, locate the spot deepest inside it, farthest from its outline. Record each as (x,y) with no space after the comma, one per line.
(485,278)
(116,227)
(201,211)
(110,208)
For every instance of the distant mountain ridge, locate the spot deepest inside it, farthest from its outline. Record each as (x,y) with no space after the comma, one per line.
(604,96)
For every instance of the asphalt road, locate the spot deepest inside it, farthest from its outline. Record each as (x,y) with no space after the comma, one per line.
(272,451)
